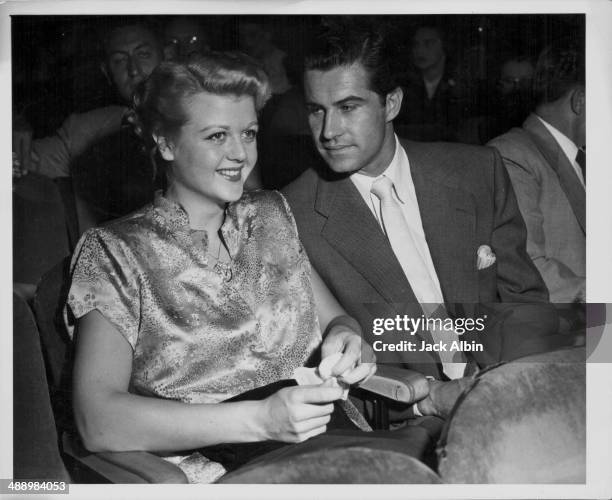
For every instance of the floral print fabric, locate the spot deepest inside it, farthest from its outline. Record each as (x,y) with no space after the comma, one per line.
(201,331)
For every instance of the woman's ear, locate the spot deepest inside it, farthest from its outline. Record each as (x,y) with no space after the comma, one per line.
(164,147)
(393,103)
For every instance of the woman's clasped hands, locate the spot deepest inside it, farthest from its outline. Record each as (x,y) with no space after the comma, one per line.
(295,414)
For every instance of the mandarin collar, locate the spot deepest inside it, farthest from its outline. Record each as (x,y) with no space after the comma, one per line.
(176,219)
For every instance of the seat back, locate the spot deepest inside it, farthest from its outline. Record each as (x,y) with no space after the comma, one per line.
(48,304)
(522,422)
(35,440)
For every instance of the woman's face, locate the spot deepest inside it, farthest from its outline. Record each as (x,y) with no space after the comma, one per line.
(215,150)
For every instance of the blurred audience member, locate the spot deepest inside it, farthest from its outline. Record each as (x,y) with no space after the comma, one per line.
(131,52)
(511,101)
(546,161)
(255,39)
(184,39)
(435,100)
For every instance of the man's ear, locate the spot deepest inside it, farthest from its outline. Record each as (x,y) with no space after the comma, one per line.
(578,101)
(164,147)
(393,103)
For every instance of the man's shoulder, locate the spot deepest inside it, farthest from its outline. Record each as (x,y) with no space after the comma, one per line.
(448,157)
(303,188)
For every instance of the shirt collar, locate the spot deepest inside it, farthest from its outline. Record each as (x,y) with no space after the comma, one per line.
(565,143)
(177,219)
(397,170)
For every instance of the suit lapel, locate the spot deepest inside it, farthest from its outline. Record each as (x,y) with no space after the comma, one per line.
(449,222)
(555,157)
(354,233)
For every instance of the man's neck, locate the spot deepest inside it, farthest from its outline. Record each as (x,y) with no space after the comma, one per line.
(558,119)
(434,72)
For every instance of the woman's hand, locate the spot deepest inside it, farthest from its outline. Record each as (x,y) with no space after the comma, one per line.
(294,414)
(357,361)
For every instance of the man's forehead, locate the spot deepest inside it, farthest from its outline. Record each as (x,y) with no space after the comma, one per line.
(426,34)
(130,36)
(335,82)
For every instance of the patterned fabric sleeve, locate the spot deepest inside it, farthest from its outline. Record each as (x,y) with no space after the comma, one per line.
(104,277)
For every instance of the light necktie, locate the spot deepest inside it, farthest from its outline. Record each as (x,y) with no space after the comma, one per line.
(425,290)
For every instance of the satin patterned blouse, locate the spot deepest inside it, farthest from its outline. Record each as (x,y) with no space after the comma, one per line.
(201,332)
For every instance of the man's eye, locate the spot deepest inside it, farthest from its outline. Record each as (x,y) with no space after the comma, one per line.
(313,110)
(145,54)
(217,137)
(250,135)
(118,61)
(347,107)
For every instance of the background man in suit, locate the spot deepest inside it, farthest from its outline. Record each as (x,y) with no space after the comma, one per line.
(545,160)
(468,235)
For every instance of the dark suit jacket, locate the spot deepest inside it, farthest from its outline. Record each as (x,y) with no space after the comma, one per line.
(465,200)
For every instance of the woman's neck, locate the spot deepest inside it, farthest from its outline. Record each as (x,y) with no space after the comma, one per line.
(203,214)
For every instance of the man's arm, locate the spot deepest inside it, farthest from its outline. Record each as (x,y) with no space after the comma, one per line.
(564,285)
(51,156)
(518,280)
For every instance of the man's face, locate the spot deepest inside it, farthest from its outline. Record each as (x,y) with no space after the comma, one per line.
(515,76)
(350,124)
(133,53)
(427,49)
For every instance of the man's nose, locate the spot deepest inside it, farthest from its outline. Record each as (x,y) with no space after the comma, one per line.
(332,126)
(133,67)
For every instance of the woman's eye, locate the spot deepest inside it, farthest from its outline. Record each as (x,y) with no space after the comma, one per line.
(217,137)
(250,135)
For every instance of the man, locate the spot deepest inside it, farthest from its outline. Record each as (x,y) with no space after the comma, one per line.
(456,199)
(544,160)
(131,53)
(435,100)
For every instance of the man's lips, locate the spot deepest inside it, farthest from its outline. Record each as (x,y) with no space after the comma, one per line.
(336,148)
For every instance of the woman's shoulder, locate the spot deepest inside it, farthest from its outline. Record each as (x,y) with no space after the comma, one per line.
(263,200)
(118,232)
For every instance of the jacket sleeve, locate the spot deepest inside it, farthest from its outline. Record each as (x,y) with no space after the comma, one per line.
(517,277)
(564,285)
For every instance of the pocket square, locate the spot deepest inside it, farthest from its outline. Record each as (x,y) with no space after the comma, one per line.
(486,257)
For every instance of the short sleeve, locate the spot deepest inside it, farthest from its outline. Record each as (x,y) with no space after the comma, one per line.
(104,277)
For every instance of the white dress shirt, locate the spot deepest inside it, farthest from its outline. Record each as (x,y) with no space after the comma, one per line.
(399,172)
(567,146)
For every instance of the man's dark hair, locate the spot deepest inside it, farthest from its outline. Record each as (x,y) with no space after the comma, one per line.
(109,26)
(345,42)
(559,69)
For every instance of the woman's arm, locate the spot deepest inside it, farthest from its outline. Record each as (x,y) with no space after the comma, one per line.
(342,334)
(109,418)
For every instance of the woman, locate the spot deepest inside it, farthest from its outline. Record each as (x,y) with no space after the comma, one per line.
(206,293)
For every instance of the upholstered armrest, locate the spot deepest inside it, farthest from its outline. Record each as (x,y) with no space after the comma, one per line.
(398,384)
(125,467)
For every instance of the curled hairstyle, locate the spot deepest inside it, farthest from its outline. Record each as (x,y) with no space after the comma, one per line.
(160,101)
(559,69)
(345,43)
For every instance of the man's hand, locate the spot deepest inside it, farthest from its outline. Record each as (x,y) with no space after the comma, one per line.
(442,396)
(295,414)
(357,361)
